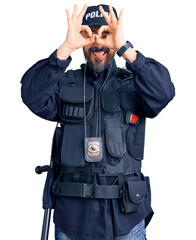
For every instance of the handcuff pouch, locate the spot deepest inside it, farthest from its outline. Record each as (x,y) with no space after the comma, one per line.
(132,195)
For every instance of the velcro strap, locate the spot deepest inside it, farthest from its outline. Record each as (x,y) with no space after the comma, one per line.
(85,190)
(83,170)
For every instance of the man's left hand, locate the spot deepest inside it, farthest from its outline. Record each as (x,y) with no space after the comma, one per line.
(114,39)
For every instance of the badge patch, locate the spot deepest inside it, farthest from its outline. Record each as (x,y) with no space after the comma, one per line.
(93,149)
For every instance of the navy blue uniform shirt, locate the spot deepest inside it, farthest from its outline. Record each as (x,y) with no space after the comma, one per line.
(87,219)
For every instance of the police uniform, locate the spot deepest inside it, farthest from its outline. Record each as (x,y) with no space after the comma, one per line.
(100,191)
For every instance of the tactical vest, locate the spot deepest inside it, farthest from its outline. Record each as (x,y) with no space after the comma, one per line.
(112,114)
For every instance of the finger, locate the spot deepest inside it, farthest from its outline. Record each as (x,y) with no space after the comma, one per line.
(68,15)
(75,12)
(99,40)
(86,29)
(81,14)
(102,29)
(105,15)
(91,39)
(112,14)
(120,19)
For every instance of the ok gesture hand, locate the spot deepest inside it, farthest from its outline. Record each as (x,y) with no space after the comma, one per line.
(115,38)
(77,35)
(74,38)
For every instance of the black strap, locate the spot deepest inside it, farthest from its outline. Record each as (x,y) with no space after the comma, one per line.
(76,177)
(120,181)
(85,190)
(89,170)
(120,188)
(94,170)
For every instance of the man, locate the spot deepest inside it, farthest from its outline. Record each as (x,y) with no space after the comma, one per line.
(100,192)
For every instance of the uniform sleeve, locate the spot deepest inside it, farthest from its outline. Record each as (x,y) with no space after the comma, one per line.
(41,84)
(153,84)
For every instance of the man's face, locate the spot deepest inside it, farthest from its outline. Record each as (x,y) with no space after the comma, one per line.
(98,57)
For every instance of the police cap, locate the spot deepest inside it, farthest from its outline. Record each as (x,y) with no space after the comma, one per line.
(94,17)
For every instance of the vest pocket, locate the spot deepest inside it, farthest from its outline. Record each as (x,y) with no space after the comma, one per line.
(132,195)
(110,98)
(72,152)
(135,140)
(128,96)
(72,101)
(115,144)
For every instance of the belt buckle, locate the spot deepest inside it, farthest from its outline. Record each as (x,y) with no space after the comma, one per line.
(87,190)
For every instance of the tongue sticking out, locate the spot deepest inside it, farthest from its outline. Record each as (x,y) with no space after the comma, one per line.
(99,55)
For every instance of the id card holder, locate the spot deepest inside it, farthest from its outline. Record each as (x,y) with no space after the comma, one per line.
(93,149)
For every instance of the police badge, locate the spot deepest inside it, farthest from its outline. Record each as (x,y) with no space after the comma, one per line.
(93,149)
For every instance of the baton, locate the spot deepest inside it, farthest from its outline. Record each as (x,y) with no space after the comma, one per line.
(47,212)
(46,224)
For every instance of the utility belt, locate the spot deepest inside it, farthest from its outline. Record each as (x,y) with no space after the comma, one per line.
(130,193)
(95,170)
(85,190)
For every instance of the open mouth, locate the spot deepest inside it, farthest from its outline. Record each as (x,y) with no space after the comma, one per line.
(99,53)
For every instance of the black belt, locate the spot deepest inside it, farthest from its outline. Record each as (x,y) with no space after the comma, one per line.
(85,190)
(85,170)
(94,171)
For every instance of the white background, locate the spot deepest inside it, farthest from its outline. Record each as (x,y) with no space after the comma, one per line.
(163,30)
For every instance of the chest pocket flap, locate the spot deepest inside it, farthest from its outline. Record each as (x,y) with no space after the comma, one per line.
(73,91)
(72,99)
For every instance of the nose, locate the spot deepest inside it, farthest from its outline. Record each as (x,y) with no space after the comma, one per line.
(98,45)
(96,42)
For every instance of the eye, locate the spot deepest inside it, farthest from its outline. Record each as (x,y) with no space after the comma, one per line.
(84,34)
(104,34)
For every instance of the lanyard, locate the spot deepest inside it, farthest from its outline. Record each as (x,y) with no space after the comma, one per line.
(99,103)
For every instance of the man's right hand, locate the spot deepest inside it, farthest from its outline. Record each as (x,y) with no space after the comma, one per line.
(77,35)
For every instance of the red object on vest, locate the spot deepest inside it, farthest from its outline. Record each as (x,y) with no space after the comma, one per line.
(134,118)
(131,118)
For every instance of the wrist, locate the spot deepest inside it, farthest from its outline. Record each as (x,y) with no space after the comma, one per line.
(64,51)
(130,54)
(120,45)
(124,48)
